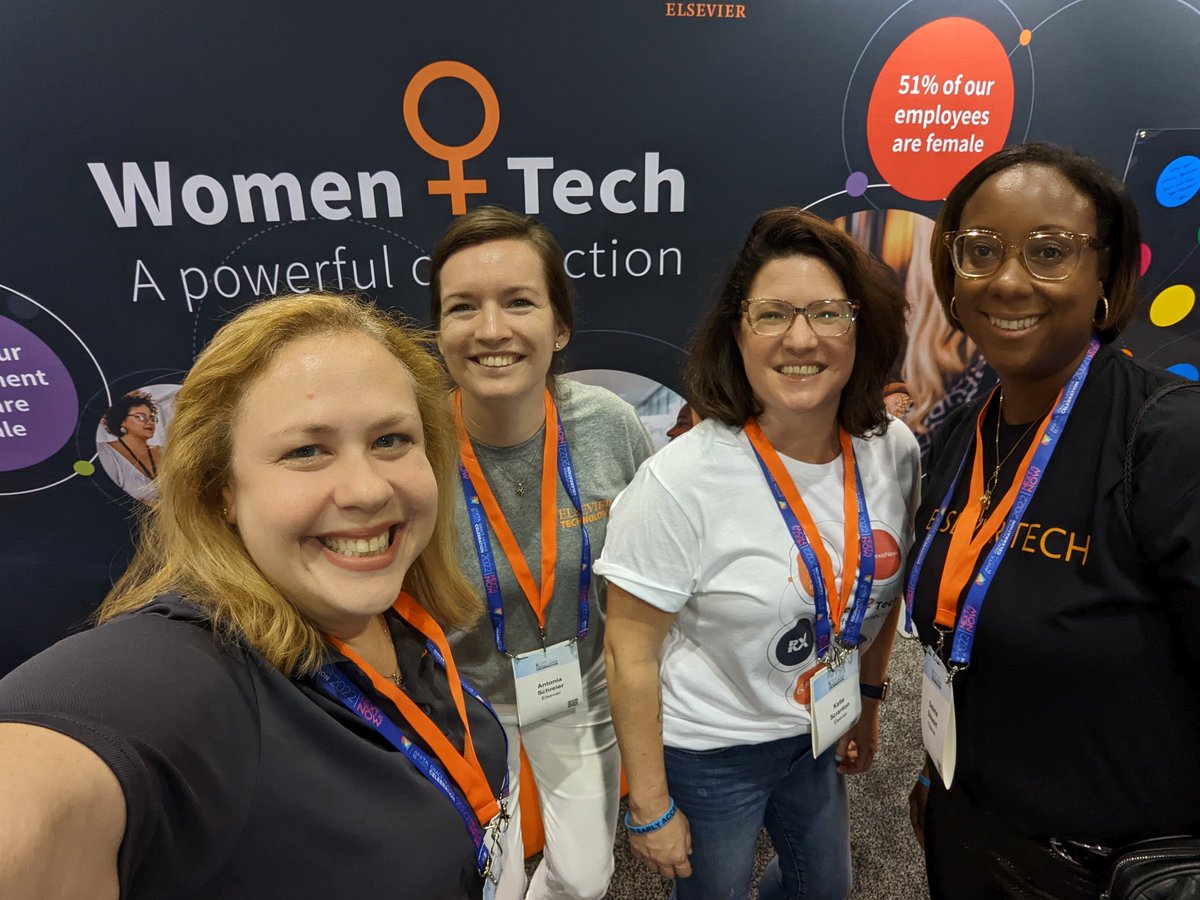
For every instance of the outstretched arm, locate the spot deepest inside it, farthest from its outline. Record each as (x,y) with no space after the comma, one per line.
(63,820)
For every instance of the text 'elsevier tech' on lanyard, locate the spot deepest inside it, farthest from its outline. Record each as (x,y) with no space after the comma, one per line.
(477,493)
(451,768)
(965,548)
(859,540)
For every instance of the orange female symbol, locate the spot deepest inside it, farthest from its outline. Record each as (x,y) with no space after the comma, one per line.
(457,185)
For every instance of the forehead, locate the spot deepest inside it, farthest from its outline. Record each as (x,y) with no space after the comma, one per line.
(797,279)
(1029,197)
(509,262)
(329,375)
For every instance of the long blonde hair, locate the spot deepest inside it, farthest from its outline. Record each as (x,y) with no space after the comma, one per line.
(186,544)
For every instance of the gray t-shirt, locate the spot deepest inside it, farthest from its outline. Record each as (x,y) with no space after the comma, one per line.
(608,443)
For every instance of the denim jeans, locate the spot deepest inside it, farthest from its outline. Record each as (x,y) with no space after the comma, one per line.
(728,794)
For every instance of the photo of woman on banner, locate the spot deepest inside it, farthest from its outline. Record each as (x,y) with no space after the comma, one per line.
(541,460)
(131,436)
(269,706)
(940,369)
(1060,717)
(755,572)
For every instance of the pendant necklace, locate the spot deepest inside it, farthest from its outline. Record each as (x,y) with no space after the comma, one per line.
(993,481)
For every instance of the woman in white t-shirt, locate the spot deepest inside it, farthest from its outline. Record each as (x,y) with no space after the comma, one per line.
(734,551)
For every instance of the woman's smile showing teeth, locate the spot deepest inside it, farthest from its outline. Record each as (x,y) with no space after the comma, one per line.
(1014,324)
(812,369)
(497,360)
(357,546)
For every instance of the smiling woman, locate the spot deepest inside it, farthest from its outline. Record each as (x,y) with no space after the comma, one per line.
(542,459)
(1063,501)
(272,669)
(754,560)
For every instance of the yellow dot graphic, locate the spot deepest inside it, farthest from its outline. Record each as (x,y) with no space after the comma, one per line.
(1026,37)
(84,468)
(1172,305)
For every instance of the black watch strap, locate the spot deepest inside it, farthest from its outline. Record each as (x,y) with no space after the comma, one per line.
(876,691)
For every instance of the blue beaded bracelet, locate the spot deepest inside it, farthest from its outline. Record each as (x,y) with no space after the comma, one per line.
(656,824)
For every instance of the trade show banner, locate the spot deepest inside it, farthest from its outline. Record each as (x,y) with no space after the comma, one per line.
(167,165)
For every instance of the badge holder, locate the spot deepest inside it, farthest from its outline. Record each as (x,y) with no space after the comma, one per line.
(836,701)
(549,681)
(492,835)
(938,730)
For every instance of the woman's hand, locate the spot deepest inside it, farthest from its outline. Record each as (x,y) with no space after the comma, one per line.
(857,747)
(917,798)
(666,850)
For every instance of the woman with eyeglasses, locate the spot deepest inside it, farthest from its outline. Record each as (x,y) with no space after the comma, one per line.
(754,573)
(1056,576)
(130,459)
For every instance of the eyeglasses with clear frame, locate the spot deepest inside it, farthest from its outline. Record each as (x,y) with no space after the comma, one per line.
(1047,255)
(827,318)
(143,418)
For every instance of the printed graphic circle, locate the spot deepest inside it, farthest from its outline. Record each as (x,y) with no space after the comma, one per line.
(38,401)
(856,184)
(1178,182)
(887,555)
(131,461)
(1172,305)
(942,102)
(1186,370)
(1147,256)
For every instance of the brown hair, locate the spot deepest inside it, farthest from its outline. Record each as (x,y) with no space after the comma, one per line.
(1116,223)
(715,375)
(186,545)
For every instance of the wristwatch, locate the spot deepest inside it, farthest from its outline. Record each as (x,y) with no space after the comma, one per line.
(876,691)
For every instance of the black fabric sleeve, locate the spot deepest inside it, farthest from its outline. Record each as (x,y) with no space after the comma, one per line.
(1164,508)
(172,711)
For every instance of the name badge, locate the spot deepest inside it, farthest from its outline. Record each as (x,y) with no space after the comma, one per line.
(937,717)
(836,702)
(549,682)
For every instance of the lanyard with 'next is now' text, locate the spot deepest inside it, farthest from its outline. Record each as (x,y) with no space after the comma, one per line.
(859,541)
(965,547)
(459,777)
(483,509)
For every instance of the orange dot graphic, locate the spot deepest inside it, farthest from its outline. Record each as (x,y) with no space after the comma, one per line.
(1026,37)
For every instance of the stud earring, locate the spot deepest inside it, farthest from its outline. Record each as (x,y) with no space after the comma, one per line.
(557,345)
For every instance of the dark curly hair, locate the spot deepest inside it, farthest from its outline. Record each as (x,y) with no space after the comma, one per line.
(715,376)
(117,413)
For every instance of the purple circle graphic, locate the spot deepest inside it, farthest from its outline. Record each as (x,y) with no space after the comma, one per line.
(856,184)
(38,401)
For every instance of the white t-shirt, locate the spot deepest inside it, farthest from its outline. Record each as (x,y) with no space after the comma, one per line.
(698,533)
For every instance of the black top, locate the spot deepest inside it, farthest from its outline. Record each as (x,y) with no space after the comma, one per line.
(240,783)
(1079,716)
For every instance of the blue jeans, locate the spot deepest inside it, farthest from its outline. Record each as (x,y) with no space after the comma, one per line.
(729,793)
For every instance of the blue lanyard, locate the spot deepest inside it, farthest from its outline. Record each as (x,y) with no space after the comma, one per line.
(849,637)
(968,619)
(334,683)
(483,543)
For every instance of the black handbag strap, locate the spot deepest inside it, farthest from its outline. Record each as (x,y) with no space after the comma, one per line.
(1151,401)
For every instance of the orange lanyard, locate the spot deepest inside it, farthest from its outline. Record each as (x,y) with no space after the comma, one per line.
(539,600)
(965,548)
(464,768)
(850,547)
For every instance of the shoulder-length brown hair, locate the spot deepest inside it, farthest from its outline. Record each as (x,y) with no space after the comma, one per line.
(715,376)
(186,544)
(1117,226)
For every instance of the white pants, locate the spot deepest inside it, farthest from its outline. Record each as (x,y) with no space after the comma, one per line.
(577,769)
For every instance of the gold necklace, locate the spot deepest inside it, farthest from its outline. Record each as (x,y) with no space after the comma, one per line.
(993,481)
(397,678)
